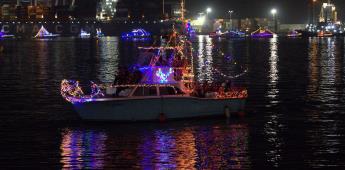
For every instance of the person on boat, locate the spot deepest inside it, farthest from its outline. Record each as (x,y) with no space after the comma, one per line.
(227,85)
(221,91)
(137,76)
(122,77)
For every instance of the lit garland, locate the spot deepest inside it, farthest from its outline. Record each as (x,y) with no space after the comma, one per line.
(163,76)
(71,91)
(228,76)
(233,94)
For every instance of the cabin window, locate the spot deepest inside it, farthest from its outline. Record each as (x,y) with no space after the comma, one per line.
(145,91)
(152,91)
(167,91)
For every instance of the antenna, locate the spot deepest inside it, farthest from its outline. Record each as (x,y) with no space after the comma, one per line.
(182,9)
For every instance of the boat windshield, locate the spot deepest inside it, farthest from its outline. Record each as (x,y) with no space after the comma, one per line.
(145,91)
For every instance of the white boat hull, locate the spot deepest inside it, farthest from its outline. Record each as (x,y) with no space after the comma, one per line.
(145,109)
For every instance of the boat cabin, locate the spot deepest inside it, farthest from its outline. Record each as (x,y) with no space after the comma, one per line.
(143,90)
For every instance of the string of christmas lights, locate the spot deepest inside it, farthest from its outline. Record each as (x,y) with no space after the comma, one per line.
(228,76)
(71,91)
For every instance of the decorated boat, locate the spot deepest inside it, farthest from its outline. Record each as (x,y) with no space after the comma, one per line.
(162,85)
(84,34)
(262,33)
(4,35)
(293,34)
(227,34)
(136,34)
(43,33)
(324,34)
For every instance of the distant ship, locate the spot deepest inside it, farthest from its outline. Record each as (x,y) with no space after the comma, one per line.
(262,33)
(43,33)
(84,34)
(324,34)
(4,35)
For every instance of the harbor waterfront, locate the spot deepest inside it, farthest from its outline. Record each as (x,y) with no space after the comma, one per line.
(293,119)
(28,28)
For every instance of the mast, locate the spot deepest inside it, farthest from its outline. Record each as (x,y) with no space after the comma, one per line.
(182,9)
(163,9)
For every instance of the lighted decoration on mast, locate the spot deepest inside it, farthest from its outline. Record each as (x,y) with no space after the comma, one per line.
(164,76)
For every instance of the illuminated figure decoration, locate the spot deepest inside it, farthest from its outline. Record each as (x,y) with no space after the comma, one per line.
(99,33)
(136,34)
(4,35)
(189,29)
(43,33)
(164,76)
(72,92)
(84,34)
(262,33)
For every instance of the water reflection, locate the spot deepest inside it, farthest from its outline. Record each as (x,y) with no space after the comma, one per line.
(108,52)
(204,59)
(325,72)
(215,147)
(273,127)
(83,149)
(273,71)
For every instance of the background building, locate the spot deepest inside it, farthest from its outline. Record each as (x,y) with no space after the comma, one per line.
(147,9)
(106,9)
(328,13)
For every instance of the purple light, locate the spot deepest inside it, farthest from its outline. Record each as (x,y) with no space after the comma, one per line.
(135,34)
(260,33)
(163,76)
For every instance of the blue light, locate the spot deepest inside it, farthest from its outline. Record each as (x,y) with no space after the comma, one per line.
(163,76)
(136,33)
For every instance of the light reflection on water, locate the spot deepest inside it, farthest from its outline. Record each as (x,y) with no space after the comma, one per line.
(217,147)
(273,126)
(83,149)
(326,75)
(204,59)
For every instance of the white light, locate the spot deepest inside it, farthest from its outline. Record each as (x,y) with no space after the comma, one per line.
(208,10)
(274,11)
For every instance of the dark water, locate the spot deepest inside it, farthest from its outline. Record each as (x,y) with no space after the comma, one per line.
(294,116)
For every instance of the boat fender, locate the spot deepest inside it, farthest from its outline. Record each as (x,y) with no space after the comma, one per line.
(227,112)
(162,117)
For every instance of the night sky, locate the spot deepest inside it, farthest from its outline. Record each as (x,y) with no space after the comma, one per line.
(290,11)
